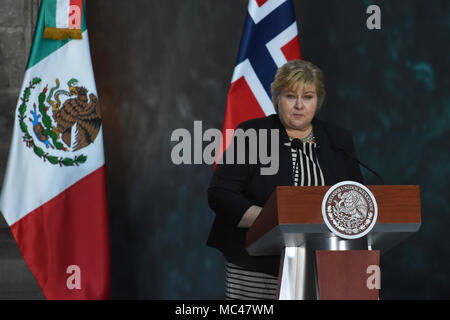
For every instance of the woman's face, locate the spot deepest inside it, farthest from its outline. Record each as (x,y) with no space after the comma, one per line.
(297,107)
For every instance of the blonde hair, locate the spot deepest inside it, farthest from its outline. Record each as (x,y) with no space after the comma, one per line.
(297,72)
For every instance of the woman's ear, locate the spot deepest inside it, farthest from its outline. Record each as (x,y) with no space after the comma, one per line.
(277,105)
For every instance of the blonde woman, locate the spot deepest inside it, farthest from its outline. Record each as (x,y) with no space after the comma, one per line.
(311,153)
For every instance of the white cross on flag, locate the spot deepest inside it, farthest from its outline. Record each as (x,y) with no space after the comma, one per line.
(269,40)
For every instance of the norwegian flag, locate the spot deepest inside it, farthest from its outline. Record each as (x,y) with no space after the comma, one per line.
(269,40)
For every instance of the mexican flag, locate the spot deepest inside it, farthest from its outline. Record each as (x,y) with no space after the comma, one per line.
(54,191)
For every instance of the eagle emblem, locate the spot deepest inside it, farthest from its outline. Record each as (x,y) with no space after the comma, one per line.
(349,210)
(63,125)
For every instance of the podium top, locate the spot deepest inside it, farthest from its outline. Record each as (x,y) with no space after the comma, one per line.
(298,211)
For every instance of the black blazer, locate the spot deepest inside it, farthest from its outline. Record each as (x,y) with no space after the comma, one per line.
(236,187)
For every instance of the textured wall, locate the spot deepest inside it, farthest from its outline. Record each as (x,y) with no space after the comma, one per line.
(17,19)
(391,88)
(160,65)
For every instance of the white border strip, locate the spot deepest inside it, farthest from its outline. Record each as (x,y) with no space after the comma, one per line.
(274,46)
(62,13)
(259,13)
(245,69)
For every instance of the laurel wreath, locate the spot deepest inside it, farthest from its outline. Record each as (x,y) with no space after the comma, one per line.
(338,219)
(47,121)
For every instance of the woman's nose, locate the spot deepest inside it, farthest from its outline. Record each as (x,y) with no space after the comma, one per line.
(298,104)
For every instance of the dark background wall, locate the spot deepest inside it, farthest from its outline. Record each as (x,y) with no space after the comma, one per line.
(161,65)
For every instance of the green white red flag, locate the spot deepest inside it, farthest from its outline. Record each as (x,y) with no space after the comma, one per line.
(63,19)
(54,191)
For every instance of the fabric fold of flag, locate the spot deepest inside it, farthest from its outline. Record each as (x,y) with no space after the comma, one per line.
(54,190)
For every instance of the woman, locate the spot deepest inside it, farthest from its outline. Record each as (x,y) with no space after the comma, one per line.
(238,192)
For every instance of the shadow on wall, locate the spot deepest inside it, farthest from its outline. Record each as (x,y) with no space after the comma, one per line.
(122,253)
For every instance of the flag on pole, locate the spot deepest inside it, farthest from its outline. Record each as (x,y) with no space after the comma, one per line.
(269,39)
(63,19)
(54,191)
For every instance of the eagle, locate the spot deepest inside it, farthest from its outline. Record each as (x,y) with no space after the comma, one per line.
(83,112)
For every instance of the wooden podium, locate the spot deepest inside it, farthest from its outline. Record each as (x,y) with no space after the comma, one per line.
(291,224)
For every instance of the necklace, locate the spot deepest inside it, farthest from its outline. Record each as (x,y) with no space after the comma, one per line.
(309,138)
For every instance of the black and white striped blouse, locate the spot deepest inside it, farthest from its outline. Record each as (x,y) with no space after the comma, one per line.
(308,172)
(242,284)
(249,285)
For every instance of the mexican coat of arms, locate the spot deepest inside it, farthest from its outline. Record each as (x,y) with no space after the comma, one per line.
(65,126)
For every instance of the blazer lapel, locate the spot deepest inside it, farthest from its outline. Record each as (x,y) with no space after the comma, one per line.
(285,172)
(324,153)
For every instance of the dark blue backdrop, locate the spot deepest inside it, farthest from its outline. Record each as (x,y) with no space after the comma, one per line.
(161,65)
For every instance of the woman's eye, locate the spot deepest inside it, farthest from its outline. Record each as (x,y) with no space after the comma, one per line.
(308,97)
(290,96)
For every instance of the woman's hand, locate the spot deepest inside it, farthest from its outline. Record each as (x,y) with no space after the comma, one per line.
(249,216)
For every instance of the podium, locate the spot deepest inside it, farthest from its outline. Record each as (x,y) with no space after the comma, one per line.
(291,224)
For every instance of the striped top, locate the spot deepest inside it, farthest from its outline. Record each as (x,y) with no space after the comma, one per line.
(308,171)
(250,285)
(242,284)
